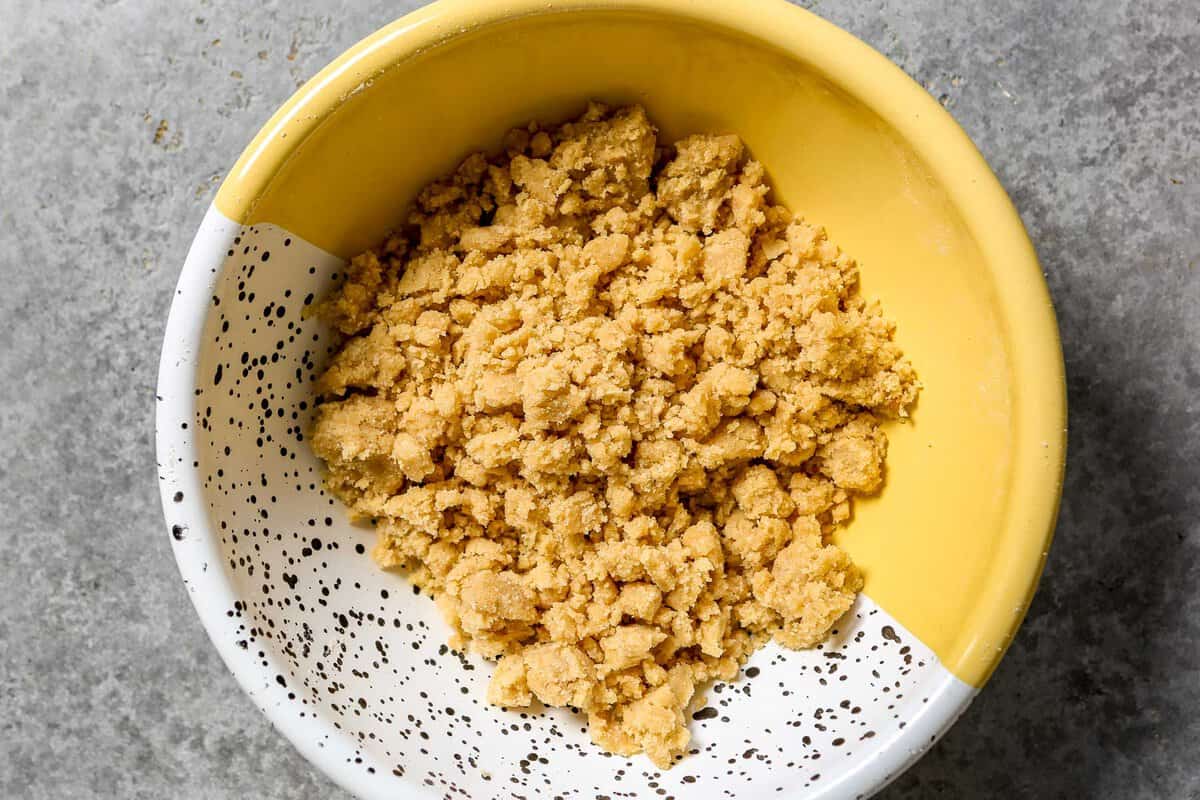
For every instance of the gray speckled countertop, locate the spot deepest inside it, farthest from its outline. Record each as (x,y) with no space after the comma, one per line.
(1089,112)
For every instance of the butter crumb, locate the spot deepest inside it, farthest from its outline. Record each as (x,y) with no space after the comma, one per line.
(607,404)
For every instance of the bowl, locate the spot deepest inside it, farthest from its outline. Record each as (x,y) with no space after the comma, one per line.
(349,663)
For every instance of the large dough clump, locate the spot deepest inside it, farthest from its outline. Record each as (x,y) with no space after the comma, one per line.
(606,404)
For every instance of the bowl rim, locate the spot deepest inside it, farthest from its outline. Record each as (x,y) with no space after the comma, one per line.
(946,151)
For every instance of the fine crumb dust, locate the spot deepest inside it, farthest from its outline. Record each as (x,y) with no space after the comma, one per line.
(606,404)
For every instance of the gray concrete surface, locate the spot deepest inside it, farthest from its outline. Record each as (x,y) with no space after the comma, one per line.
(1088,111)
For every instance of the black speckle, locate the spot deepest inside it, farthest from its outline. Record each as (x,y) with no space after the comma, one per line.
(177,532)
(707,712)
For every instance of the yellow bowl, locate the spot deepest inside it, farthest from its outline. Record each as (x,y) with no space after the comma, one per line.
(953,547)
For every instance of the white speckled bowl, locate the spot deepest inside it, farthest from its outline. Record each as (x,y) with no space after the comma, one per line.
(349,662)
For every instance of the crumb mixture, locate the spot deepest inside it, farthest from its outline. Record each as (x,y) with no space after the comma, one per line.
(606,403)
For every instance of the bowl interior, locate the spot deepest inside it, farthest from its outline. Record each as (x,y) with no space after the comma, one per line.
(351,661)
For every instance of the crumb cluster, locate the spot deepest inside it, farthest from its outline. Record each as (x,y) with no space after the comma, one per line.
(606,404)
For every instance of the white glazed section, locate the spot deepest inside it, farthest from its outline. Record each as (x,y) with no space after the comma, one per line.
(360,682)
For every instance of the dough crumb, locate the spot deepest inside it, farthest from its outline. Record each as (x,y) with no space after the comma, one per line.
(606,404)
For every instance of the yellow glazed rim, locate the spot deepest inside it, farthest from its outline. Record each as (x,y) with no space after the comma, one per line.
(1039,397)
